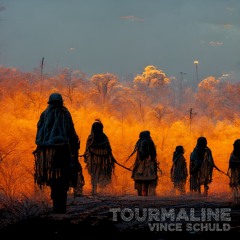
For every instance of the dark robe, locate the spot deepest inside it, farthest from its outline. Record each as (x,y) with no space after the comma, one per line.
(56,156)
(99,159)
(179,168)
(145,165)
(201,167)
(234,170)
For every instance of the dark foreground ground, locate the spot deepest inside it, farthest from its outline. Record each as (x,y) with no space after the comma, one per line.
(92,218)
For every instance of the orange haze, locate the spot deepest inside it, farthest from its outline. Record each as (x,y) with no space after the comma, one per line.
(125,109)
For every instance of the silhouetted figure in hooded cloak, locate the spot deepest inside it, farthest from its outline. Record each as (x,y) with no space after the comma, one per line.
(179,171)
(98,157)
(56,156)
(201,166)
(145,166)
(234,170)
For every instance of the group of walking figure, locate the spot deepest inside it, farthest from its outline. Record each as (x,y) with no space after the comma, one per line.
(57,159)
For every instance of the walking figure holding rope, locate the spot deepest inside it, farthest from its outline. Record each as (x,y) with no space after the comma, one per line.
(145,166)
(201,167)
(98,157)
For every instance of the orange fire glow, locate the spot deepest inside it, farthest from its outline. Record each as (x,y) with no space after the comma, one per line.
(125,109)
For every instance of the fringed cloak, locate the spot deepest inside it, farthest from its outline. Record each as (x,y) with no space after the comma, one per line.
(145,165)
(52,163)
(99,160)
(179,168)
(56,155)
(201,167)
(234,171)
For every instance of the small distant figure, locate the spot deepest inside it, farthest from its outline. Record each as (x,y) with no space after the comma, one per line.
(201,166)
(56,155)
(145,166)
(98,157)
(234,170)
(179,171)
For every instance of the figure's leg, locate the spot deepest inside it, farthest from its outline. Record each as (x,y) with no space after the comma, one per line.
(94,186)
(181,188)
(152,189)
(63,201)
(139,191)
(194,186)
(206,187)
(145,186)
(59,196)
(198,186)
(174,188)
(178,188)
(78,189)
(54,198)
(138,187)
(184,187)
(237,198)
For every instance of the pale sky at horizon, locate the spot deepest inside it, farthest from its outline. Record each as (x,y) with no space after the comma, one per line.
(122,36)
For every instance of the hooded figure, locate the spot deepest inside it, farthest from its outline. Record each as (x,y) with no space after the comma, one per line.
(234,169)
(179,170)
(201,166)
(56,156)
(145,166)
(98,157)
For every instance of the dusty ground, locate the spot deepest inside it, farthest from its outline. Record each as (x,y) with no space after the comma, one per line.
(91,218)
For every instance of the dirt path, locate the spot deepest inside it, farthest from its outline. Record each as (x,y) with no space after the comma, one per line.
(109,217)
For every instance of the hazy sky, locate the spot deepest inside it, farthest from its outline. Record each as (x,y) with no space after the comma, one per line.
(122,36)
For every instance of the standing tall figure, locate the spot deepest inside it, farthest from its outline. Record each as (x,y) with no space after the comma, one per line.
(56,155)
(234,170)
(179,170)
(145,166)
(98,157)
(201,166)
